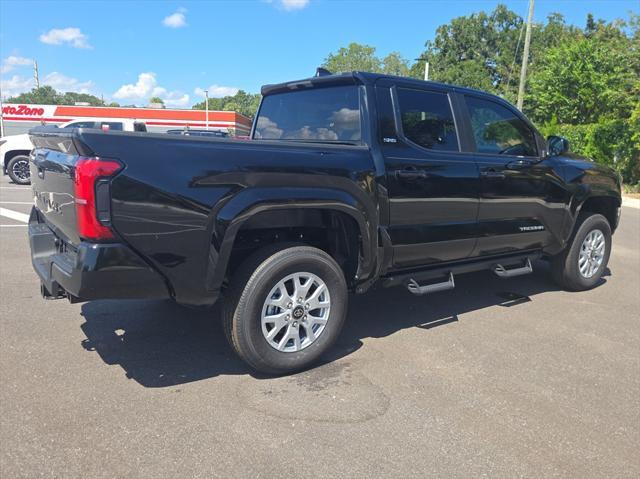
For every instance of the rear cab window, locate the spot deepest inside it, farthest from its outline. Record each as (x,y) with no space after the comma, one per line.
(328,115)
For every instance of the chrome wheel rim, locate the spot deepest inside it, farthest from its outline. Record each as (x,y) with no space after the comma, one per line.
(592,253)
(296,312)
(20,169)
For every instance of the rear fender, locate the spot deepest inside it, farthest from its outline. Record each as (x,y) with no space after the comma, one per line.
(237,211)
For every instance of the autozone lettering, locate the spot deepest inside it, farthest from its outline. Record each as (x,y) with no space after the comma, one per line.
(22,110)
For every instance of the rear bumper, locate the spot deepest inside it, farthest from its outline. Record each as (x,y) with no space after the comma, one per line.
(93,270)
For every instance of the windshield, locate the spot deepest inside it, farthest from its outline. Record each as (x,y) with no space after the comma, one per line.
(322,114)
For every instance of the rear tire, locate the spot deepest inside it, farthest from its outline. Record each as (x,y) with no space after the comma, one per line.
(284,308)
(581,265)
(18,170)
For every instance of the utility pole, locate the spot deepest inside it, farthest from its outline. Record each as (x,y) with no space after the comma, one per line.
(206,107)
(36,77)
(525,57)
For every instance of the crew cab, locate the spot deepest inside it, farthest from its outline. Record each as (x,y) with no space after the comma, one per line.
(15,149)
(348,181)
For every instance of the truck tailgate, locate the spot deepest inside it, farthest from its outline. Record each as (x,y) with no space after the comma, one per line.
(52,180)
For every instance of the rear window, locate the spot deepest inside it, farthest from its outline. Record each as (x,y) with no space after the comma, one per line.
(321,114)
(81,124)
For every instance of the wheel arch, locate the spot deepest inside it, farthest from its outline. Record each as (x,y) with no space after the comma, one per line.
(606,205)
(337,214)
(9,155)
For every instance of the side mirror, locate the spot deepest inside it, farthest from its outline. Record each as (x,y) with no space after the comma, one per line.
(557,145)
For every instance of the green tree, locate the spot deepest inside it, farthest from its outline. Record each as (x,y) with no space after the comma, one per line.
(71,98)
(157,100)
(581,81)
(395,64)
(587,88)
(45,95)
(484,50)
(355,57)
(242,102)
(358,57)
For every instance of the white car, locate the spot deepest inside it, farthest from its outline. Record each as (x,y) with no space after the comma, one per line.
(15,149)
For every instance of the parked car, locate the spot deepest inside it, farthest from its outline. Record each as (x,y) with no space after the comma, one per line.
(15,149)
(192,132)
(349,181)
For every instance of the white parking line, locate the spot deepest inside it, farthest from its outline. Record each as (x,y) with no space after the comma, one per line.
(13,226)
(16,202)
(14,215)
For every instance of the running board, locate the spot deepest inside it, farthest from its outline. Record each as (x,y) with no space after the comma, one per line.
(503,272)
(418,290)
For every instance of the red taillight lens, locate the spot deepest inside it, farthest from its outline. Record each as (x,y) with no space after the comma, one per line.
(87,175)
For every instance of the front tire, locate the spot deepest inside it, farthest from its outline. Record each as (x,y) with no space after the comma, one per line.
(284,308)
(581,265)
(18,170)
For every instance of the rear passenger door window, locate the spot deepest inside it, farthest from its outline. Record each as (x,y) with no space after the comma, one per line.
(427,119)
(499,131)
(112,125)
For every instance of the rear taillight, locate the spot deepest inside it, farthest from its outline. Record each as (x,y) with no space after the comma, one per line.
(93,202)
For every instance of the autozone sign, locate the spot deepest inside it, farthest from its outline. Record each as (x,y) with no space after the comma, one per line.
(22,110)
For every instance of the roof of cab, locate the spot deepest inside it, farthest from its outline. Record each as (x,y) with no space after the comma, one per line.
(358,77)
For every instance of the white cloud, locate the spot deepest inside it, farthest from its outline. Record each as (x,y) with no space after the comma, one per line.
(289,5)
(216,91)
(140,90)
(176,20)
(15,85)
(64,83)
(294,4)
(12,62)
(71,36)
(147,87)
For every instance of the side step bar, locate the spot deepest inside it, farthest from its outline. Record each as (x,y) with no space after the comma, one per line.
(416,289)
(503,272)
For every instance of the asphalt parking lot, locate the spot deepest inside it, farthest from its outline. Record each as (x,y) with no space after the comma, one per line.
(497,378)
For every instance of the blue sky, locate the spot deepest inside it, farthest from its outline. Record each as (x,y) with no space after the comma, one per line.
(128,51)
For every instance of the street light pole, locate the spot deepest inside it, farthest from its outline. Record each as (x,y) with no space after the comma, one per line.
(426,67)
(525,57)
(206,107)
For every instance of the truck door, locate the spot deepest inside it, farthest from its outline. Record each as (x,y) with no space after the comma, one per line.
(522,197)
(432,187)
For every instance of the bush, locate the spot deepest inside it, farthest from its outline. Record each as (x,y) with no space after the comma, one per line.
(609,142)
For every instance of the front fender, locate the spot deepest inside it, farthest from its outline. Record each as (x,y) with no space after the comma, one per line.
(239,209)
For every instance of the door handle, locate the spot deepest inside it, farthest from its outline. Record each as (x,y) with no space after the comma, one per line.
(491,173)
(519,164)
(411,174)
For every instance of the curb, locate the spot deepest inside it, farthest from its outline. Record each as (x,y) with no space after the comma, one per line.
(631,202)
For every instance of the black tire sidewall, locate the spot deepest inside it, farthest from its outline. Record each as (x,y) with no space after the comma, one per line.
(10,170)
(251,340)
(572,274)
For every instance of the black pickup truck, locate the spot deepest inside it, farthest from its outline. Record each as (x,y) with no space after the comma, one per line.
(347,181)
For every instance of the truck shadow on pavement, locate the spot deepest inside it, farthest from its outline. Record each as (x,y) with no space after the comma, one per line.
(161,344)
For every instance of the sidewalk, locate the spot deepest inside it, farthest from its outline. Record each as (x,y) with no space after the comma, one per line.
(629,201)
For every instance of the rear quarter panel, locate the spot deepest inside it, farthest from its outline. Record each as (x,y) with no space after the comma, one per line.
(179,200)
